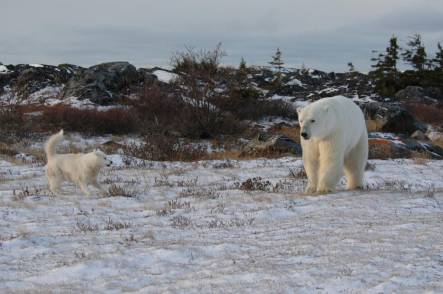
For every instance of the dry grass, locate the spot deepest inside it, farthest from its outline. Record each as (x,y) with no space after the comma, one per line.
(112,225)
(25,192)
(235,222)
(173,205)
(420,158)
(85,227)
(119,191)
(200,193)
(7,149)
(230,154)
(299,173)
(289,131)
(256,184)
(180,222)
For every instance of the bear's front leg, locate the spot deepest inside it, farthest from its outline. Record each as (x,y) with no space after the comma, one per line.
(331,168)
(311,165)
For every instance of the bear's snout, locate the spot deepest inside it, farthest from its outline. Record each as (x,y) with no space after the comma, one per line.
(305,135)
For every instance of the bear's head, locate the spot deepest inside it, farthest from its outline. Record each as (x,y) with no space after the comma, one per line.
(315,121)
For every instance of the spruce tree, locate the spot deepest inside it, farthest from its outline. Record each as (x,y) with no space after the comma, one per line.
(278,64)
(438,60)
(387,63)
(242,67)
(243,73)
(385,72)
(277,61)
(416,54)
(392,54)
(351,67)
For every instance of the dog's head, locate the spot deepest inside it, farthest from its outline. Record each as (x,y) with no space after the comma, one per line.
(101,157)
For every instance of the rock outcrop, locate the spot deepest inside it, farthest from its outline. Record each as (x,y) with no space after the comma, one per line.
(103,83)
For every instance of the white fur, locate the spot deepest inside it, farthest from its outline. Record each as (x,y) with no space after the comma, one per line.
(336,141)
(79,168)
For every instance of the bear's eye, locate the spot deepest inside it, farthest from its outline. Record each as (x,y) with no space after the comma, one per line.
(312,120)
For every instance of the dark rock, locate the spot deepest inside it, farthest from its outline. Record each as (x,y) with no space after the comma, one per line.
(391,146)
(410,93)
(386,149)
(392,118)
(419,135)
(103,83)
(418,94)
(25,79)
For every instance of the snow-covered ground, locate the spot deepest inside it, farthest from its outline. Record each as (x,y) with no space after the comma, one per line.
(191,228)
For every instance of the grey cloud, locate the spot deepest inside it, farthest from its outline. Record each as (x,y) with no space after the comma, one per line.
(320,33)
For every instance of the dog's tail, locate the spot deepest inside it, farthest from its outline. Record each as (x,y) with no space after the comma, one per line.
(51,144)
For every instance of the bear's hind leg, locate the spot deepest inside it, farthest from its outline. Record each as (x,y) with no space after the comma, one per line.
(355,163)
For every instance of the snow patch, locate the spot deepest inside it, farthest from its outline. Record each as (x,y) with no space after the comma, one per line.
(3,69)
(165,76)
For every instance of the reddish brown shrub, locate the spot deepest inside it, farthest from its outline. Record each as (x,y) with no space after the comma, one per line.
(431,114)
(163,148)
(13,123)
(91,121)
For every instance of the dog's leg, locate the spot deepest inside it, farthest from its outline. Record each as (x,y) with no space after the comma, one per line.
(84,189)
(98,186)
(54,184)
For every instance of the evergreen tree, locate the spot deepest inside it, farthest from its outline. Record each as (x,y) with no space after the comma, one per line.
(385,72)
(277,61)
(242,67)
(243,73)
(303,69)
(438,60)
(392,54)
(278,64)
(416,54)
(351,67)
(387,63)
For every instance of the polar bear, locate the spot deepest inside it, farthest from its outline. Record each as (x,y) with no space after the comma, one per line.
(333,139)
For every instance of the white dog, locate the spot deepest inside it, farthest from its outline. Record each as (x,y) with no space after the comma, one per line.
(79,168)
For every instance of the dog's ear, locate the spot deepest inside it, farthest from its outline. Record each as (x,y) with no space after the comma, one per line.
(299,109)
(99,152)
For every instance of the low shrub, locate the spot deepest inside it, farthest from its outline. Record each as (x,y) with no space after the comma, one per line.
(431,114)
(160,147)
(13,123)
(90,121)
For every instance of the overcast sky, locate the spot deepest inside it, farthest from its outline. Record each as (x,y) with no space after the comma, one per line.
(324,34)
